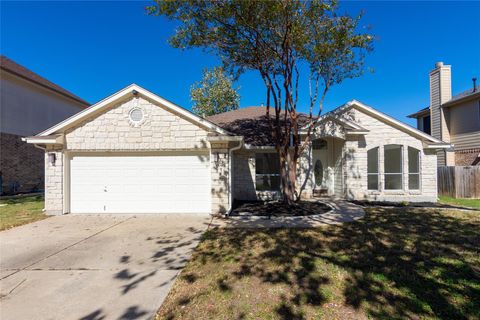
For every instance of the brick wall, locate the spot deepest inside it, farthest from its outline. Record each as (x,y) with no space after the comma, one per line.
(468,157)
(21,165)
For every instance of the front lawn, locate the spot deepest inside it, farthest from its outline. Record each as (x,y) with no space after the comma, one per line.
(471,203)
(393,264)
(18,211)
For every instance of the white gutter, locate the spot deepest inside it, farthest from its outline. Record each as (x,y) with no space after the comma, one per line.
(439,146)
(230,174)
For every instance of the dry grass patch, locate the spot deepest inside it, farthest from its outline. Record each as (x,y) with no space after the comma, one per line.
(394,264)
(18,211)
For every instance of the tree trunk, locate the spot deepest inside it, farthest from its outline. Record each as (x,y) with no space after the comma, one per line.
(288,175)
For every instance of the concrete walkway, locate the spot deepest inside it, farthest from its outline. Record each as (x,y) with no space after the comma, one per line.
(342,211)
(94,267)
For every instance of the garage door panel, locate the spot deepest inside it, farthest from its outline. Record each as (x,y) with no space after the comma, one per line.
(140,184)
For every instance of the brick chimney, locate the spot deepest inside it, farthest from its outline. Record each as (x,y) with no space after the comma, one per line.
(441,92)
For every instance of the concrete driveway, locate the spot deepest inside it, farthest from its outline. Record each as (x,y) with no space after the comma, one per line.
(94,267)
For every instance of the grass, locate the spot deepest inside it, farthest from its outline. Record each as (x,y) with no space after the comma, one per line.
(394,264)
(471,203)
(18,211)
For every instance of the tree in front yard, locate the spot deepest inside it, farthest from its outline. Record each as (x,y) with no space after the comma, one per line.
(214,93)
(281,40)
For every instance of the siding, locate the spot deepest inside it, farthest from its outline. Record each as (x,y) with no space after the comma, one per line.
(469,140)
(28,109)
(465,117)
(440,92)
(435,104)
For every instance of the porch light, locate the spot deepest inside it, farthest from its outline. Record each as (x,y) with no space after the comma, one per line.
(52,157)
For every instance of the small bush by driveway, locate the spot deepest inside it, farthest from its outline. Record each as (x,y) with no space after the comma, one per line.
(393,264)
(17,211)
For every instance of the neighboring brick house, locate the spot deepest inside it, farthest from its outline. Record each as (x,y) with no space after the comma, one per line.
(135,152)
(455,120)
(28,104)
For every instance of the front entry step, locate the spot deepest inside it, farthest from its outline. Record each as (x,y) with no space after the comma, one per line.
(320,193)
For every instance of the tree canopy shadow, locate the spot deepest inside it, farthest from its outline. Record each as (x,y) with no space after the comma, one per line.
(396,263)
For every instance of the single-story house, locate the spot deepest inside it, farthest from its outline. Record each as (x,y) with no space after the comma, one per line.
(135,152)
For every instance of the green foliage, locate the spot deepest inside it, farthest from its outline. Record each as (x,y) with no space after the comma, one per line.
(278,39)
(214,93)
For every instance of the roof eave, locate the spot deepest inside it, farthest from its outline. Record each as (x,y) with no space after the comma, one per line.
(419,114)
(469,97)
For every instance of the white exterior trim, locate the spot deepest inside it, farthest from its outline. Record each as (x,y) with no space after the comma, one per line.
(438,146)
(125,91)
(55,139)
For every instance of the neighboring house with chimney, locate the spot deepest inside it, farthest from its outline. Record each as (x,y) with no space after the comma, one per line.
(455,120)
(29,104)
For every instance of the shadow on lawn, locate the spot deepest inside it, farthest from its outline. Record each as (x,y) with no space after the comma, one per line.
(399,264)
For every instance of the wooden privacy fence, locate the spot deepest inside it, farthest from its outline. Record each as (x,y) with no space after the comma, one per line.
(459,182)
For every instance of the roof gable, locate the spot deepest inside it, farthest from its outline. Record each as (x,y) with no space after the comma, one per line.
(131,90)
(386,119)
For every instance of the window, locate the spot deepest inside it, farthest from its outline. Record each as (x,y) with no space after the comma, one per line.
(372,169)
(267,172)
(413,169)
(426,125)
(393,167)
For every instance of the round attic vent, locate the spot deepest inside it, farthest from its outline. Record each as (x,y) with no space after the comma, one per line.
(136,115)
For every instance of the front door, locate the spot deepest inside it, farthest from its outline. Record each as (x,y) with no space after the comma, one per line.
(322,174)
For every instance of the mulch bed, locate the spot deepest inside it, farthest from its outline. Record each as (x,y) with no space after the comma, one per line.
(278,209)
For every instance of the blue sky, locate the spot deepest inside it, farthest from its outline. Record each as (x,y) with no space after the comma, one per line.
(95,48)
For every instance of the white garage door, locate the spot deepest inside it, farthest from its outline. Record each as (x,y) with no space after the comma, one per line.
(140,184)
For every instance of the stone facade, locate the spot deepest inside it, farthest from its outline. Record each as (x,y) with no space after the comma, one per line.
(160,129)
(21,165)
(113,131)
(219,165)
(244,175)
(54,183)
(348,159)
(381,134)
(469,157)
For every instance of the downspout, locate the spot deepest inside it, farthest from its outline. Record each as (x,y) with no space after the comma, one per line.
(230,174)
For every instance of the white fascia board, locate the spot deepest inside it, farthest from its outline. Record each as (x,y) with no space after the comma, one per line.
(250,147)
(224,138)
(55,139)
(438,146)
(128,90)
(358,132)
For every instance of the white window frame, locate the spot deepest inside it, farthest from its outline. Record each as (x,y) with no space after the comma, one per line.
(416,173)
(385,174)
(378,170)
